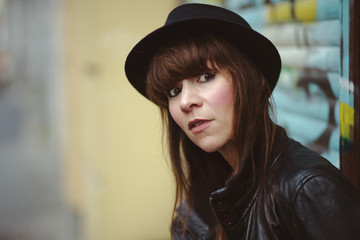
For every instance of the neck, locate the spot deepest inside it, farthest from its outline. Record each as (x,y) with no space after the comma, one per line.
(227,151)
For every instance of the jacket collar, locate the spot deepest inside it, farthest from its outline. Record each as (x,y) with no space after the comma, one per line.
(236,195)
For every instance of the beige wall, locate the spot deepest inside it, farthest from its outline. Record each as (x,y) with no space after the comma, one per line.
(117,178)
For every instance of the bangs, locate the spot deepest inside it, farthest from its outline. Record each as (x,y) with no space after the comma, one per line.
(186,58)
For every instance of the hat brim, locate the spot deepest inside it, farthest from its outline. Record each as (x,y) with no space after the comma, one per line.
(253,44)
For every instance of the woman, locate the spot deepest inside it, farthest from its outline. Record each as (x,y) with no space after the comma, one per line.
(238,175)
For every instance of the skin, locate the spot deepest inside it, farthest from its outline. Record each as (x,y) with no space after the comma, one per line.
(202,106)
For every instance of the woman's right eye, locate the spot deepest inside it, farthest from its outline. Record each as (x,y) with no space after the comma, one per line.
(174,92)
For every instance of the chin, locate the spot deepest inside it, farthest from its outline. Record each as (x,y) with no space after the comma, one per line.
(208,148)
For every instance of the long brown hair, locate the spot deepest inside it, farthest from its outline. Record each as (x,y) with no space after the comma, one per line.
(190,56)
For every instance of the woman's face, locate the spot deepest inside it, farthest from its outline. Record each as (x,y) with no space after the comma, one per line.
(203,108)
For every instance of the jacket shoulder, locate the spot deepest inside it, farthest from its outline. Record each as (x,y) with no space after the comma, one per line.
(297,165)
(321,202)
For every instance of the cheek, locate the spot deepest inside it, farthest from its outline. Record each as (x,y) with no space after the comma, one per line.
(223,97)
(175,114)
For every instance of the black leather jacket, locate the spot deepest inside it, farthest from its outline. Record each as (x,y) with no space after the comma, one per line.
(306,196)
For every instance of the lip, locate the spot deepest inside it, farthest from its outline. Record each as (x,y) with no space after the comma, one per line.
(198,125)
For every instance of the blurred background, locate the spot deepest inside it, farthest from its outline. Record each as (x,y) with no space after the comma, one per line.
(81,156)
(80,150)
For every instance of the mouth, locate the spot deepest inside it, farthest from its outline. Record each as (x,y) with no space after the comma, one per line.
(198,125)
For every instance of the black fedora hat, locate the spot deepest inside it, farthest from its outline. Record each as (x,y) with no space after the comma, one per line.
(192,18)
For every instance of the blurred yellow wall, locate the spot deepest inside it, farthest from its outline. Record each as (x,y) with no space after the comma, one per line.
(117,179)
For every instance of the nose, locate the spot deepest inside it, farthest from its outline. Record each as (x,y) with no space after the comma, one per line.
(190,98)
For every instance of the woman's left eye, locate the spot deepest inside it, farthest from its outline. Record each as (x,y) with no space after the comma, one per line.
(206,77)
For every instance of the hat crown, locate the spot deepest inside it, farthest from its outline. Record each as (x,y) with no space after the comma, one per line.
(201,11)
(197,18)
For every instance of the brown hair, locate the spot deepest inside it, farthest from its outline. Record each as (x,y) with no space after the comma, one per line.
(190,56)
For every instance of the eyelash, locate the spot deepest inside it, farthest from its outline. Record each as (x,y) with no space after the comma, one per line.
(174,92)
(208,76)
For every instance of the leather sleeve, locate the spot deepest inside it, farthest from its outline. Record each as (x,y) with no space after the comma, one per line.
(326,207)
(196,227)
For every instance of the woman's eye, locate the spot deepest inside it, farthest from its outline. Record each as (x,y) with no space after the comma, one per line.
(206,77)
(174,91)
